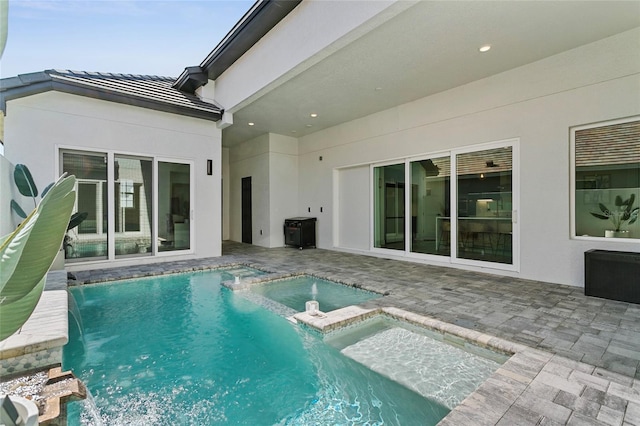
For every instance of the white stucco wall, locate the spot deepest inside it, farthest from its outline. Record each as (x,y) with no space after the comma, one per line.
(537,103)
(7,190)
(272,162)
(250,159)
(226,178)
(283,191)
(37,126)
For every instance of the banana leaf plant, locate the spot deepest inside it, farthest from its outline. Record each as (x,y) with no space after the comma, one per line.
(27,187)
(622,213)
(28,252)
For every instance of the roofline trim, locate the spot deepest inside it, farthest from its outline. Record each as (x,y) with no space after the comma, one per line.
(263,16)
(49,84)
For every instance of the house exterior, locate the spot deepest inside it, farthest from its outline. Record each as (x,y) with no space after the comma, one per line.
(386,122)
(143,153)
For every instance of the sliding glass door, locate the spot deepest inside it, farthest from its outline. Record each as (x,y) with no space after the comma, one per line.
(90,238)
(174,206)
(132,206)
(461,204)
(389,209)
(484,182)
(430,221)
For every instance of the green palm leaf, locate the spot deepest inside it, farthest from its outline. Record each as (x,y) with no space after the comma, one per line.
(24,181)
(16,208)
(27,254)
(14,315)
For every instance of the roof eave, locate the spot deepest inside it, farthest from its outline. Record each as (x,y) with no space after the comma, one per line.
(23,85)
(136,101)
(258,21)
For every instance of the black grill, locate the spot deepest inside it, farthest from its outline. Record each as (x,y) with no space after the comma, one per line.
(300,232)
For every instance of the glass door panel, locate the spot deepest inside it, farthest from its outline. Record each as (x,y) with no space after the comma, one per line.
(133,205)
(174,206)
(430,213)
(389,201)
(484,217)
(89,239)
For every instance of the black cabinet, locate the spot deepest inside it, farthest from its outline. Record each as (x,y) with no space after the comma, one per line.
(300,232)
(612,275)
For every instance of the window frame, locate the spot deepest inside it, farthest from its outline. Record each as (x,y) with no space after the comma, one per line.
(572,181)
(110,155)
(453,154)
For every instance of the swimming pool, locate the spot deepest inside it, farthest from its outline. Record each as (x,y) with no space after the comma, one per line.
(182,349)
(295,292)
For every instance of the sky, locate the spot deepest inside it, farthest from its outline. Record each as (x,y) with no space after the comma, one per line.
(119,36)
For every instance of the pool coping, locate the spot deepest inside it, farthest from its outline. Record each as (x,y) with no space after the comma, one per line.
(38,343)
(518,390)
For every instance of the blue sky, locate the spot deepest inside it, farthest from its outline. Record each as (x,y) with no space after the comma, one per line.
(122,36)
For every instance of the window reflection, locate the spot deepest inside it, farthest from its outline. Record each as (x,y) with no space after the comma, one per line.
(174,206)
(89,238)
(430,223)
(389,201)
(133,205)
(607,180)
(484,180)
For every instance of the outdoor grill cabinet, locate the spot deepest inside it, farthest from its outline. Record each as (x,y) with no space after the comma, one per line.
(300,232)
(612,275)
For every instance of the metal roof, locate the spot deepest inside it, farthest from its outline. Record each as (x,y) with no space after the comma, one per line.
(146,91)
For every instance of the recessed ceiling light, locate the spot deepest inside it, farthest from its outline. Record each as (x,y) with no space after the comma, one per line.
(313,115)
(309,125)
(251,124)
(485,48)
(294,131)
(377,89)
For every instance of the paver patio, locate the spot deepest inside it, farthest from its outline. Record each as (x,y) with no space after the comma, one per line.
(582,353)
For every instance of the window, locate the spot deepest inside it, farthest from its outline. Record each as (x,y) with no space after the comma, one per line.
(133,206)
(126,193)
(460,205)
(430,206)
(90,238)
(174,206)
(485,205)
(606,179)
(388,210)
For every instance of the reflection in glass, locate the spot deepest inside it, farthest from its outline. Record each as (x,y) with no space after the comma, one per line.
(607,164)
(388,199)
(174,206)
(430,222)
(89,239)
(484,181)
(133,205)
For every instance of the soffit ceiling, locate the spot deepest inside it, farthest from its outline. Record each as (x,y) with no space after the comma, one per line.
(429,48)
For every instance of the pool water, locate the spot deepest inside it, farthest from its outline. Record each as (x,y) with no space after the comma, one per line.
(183,350)
(295,292)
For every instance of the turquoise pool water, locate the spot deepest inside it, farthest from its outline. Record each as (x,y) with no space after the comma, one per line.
(295,292)
(183,350)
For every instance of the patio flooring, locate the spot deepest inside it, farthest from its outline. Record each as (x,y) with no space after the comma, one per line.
(582,361)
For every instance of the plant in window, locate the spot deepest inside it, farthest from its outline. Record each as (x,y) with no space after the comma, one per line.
(621,214)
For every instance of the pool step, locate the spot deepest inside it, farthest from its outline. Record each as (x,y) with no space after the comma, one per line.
(431,368)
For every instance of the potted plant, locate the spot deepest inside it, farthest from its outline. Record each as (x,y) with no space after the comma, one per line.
(621,214)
